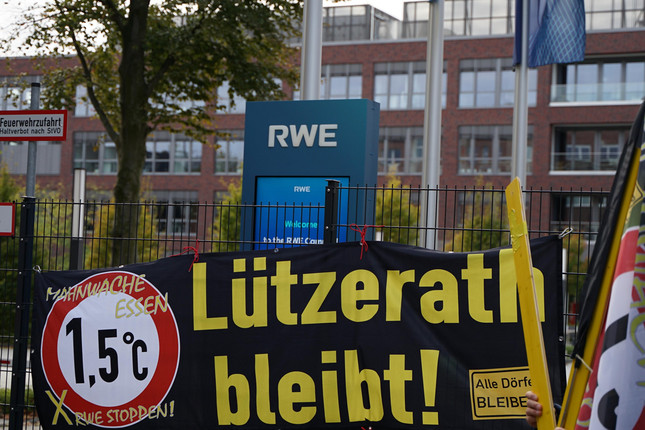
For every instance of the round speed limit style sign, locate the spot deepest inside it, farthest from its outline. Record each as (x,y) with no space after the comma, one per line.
(110,349)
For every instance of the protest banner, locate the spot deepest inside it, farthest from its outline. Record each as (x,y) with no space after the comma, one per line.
(324,336)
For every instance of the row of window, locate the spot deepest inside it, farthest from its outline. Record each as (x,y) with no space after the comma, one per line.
(490,83)
(487,150)
(173,212)
(600,81)
(464,18)
(483,83)
(482,150)
(166,153)
(339,81)
(588,149)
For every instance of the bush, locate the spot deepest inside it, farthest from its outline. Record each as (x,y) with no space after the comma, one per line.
(395,211)
(5,399)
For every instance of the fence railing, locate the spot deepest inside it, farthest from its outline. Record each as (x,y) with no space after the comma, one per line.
(465,219)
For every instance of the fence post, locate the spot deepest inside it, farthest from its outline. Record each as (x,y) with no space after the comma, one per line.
(23,304)
(331,211)
(78,220)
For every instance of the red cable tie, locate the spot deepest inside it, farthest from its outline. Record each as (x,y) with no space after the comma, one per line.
(185,249)
(362,233)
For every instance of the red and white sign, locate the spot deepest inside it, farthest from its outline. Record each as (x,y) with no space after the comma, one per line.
(7,219)
(19,125)
(110,346)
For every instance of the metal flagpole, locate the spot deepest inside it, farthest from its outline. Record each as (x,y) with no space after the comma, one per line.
(25,272)
(432,121)
(32,145)
(521,111)
(311,54)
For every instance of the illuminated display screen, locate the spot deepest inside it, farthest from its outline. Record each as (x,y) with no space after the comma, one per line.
(291,211)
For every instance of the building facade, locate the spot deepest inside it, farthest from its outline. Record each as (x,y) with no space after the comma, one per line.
(579,114)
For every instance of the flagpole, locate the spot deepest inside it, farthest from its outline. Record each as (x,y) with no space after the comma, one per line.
(311,55)
(521,111)
(431,172)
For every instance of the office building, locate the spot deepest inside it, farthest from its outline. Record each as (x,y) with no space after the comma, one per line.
(579,114)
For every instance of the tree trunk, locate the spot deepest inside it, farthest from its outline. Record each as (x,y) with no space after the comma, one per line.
(131,148)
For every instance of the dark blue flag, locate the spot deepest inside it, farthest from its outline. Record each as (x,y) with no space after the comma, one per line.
(556,31)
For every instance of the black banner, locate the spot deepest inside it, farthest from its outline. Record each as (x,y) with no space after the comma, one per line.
(313,337)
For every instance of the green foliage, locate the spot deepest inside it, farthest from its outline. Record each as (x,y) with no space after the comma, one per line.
(484,223)
(51,225)
(158,65)
(8,188)
(165,58)
(396,212)
(577,263)
(98,253)
(181,53)
(8,259)
(226,225)
(5,397)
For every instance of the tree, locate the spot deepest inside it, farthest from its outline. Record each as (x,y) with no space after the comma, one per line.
(484,223)
(98,255)
(9,192)
(149,65)
(577,264)
(49,223)
(396,212)
(226,224)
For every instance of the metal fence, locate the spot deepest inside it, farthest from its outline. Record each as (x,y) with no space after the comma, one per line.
(66,235)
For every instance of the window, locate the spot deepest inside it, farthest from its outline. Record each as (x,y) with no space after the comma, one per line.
(172,153)
(177,212)
(600,81)
(402,85)
(187,155)
(580,153)
(15,92)
(235,104)
(230,153)
(400,150)
(343,81)
(165,153)
(491,83)
(176,103)
(386,27)
(13,155)
(492,17)
(94,152)
(344,23)
(462,18)
(415,20)
(583,213)
(83,107)
(339,81)
(488,150)
(588,149)
(360,22)
(605,14)
(158,154)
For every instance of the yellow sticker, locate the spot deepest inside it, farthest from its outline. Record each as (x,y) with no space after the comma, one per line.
(499,393)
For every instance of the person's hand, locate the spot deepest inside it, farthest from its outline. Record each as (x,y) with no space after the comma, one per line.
(534,409)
